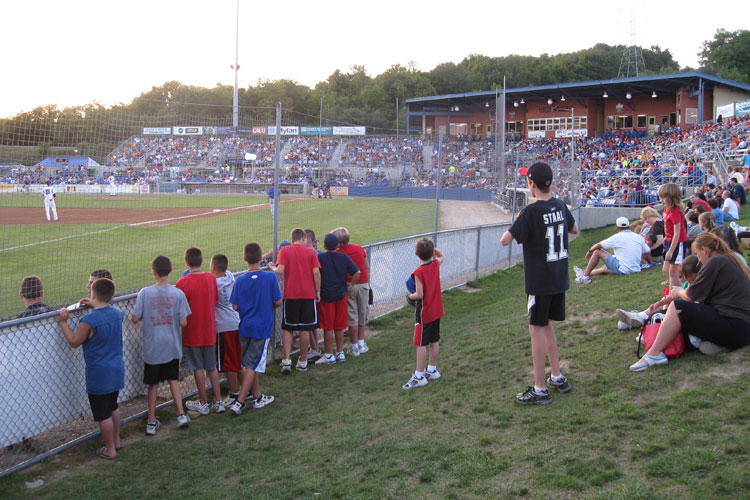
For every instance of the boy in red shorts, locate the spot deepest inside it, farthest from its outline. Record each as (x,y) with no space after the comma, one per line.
(332,308)
(428,311)
(228,349)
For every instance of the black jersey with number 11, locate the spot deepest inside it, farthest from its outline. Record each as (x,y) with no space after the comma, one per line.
(542,228)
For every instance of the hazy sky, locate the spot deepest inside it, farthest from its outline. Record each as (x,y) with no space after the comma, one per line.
(74,52)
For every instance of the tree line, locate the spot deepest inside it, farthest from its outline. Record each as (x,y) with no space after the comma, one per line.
(352,97)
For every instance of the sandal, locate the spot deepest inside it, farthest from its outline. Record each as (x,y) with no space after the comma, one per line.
(101,453)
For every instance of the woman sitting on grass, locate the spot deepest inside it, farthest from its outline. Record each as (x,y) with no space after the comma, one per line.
(715,308)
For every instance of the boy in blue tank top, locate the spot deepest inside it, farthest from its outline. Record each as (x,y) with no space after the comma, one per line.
(100,333)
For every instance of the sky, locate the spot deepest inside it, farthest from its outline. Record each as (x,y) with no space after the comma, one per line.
(75,52)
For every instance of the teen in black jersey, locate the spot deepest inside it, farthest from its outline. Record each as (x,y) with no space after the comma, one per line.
(542,228)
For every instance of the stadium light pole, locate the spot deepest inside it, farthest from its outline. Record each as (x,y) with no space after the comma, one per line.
(236,68)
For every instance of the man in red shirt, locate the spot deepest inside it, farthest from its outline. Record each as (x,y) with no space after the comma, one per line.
(358,295)
(301,269)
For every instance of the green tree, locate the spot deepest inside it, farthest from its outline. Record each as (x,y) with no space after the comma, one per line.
(727,55)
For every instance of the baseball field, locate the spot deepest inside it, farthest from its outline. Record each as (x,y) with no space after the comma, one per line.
(123,233)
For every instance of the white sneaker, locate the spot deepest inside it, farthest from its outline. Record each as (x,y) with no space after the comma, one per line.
(340,357)
(583,280)
(202,408)
(432,375)
(286,366)
(633,318)
(354,351)
(262,401)
(621,325)
(327,359)
(301,366)
(218,407)
(578,271)
(414,382)
(229,401)
(152,427)
(648,360)
(363,349)
(183,421)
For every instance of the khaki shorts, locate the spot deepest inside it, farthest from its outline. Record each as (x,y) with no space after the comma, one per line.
(358,304)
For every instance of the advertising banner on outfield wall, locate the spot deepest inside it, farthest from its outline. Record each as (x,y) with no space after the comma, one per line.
(339,191)
(284,130)
(348,130)
(742,108)
(725,111)
(187,130)
(260,130)
(156,130)
(316,130)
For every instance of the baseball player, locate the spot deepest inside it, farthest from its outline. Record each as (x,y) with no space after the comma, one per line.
(112,186)
(49,200)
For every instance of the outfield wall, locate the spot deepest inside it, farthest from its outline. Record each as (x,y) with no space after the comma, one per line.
(424,193)
(43,380)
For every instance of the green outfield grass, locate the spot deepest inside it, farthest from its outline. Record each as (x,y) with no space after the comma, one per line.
(348,431)
(64,255)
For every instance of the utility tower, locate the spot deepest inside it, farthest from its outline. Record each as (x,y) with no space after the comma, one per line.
(631,62)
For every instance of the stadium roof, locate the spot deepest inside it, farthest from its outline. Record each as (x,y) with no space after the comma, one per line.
(639,85)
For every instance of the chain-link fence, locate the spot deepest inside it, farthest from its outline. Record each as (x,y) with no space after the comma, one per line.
(45,406)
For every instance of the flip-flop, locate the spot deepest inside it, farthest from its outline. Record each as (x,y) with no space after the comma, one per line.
(100,453)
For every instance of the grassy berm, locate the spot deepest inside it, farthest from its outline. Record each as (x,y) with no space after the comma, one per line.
(350,431)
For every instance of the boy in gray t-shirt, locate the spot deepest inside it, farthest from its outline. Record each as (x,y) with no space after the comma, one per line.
(228,349)
(163,309)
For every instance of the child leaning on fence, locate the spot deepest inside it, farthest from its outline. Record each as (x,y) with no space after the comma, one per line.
(228,350)
(199,335)
(100,333)
(254,296)
(164,311)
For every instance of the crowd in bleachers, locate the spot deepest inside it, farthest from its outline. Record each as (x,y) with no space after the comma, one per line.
(381,152)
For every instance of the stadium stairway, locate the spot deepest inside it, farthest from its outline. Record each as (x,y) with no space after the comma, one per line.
(335,161)
(427,156)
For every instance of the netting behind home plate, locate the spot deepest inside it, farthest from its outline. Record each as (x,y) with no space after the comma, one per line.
(130,186)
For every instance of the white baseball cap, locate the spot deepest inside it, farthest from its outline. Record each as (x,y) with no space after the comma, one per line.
(622,222)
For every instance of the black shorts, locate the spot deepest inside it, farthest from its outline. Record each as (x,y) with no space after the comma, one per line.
(705,322)
(103,405)
(299,315)
(427,333)
(679,254)
(543,308)
(153,374)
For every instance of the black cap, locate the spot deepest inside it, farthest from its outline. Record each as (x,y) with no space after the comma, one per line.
(541,174)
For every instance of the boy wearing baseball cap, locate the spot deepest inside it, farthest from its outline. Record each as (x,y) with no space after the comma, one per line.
(629,248)
(542,228)
(332,308)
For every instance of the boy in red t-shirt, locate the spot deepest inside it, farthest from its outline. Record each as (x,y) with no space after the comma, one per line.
(199,335)
(428,311)
(301,269)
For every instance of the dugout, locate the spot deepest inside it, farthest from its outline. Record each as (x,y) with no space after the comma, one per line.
(634,106)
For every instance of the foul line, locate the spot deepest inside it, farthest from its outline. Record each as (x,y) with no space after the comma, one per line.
(212,212)
(60,239)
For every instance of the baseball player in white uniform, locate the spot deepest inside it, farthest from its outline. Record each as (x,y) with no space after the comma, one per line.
(112,186)
(49,200)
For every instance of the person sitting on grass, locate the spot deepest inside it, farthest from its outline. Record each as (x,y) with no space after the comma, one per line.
(727,234)
(32,293)
(629,249)
(100,333)
(714,309)
(634,319)
(651,227)
(718,212)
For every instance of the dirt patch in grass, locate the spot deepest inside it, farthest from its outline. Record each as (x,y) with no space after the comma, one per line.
(469,289)
(590,316)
